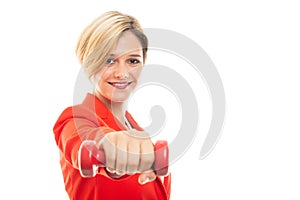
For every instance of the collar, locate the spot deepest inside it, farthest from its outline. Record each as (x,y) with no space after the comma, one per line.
(92,103)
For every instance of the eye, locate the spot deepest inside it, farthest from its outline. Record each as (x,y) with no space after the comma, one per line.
(110,61)
(134,61)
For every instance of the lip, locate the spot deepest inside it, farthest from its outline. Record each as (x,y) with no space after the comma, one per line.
(120,85)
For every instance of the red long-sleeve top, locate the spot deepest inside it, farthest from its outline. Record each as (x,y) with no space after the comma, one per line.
(91,120)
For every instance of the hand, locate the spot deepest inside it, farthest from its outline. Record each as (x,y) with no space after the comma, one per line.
(129,152)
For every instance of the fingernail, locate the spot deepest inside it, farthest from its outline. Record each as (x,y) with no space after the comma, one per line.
(143,180)
(110,170)
(120,173)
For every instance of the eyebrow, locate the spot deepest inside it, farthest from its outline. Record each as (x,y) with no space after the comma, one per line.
(135,55)
(132,55)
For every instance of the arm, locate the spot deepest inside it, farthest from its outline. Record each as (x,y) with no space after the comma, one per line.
(74,132)
(71,132)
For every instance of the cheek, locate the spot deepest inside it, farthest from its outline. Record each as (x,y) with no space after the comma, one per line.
(136,73)
(102,77)
(100,84)
(103,88)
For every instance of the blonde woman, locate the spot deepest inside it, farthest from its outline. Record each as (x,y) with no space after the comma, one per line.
(112,50)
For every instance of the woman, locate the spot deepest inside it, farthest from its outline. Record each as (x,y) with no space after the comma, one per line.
(112,50)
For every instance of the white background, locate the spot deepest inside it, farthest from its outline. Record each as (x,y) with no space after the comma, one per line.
(255,46)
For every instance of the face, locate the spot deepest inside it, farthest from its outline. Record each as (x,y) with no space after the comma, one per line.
(119,75)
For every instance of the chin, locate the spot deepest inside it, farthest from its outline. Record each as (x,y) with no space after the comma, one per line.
(119,99)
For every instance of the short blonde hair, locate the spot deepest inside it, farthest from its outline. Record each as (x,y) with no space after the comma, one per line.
(100,37)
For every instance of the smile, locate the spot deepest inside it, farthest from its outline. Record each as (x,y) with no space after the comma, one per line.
(120,85)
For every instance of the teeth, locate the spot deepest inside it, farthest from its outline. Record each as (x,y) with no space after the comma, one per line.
(120,85)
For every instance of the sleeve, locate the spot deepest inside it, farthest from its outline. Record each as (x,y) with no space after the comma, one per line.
(74,132)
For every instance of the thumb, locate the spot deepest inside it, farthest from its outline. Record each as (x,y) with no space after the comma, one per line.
(146,177)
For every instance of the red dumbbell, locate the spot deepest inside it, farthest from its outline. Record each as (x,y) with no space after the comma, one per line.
(90,158)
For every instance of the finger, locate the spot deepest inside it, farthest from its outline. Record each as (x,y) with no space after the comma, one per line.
(146,177)
(109,149)
(146,156)
(142,135)
(110,170)
(133,158)
(121,158)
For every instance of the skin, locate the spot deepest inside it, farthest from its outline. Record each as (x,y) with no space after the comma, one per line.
(125,153)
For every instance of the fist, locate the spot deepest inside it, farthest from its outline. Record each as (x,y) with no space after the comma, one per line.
(129,152)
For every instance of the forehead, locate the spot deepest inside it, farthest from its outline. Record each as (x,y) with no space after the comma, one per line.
(128,43)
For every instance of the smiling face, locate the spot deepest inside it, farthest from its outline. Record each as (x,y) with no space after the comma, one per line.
(119,75)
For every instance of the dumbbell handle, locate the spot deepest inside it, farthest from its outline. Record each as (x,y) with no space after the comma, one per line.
(90,158)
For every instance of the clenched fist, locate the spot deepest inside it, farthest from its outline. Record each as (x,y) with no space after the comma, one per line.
(129,152)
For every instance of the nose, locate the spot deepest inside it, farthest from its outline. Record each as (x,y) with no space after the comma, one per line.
(121,71)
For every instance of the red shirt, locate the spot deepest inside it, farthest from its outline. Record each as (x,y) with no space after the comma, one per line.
(90,120)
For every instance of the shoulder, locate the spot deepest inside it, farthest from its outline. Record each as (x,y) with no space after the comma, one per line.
(77,111)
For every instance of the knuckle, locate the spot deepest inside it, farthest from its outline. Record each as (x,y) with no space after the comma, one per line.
(121,136)
(147,142)
(110,136)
